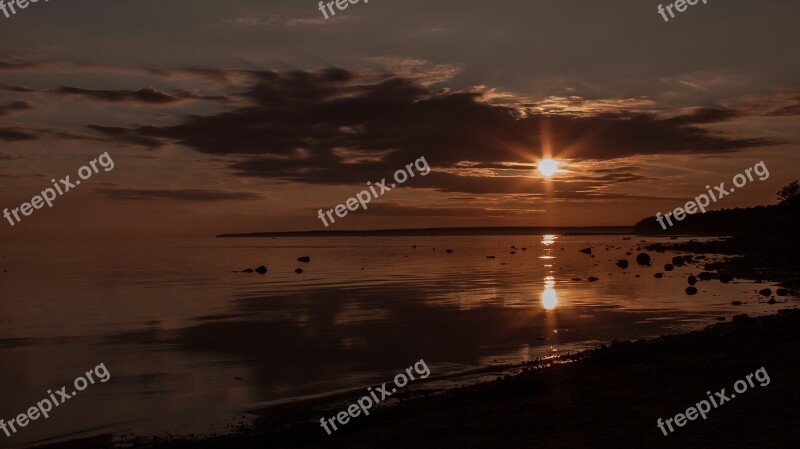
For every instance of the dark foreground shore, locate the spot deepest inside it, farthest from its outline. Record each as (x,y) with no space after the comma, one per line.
(607,398)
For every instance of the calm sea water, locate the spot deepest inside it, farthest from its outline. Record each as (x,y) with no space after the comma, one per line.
(176,327)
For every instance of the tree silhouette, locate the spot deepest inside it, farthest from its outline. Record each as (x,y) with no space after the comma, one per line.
(789,193)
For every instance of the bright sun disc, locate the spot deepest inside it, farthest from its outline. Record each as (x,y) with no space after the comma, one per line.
(547,167)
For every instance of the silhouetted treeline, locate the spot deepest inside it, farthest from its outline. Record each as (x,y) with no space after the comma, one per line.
(782,219)
(778,218)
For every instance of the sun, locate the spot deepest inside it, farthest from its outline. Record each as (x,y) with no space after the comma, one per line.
(547,167)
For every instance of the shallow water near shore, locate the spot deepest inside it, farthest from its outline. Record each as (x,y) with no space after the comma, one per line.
(188,342)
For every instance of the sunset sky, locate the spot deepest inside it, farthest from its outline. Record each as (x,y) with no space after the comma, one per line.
(251,115)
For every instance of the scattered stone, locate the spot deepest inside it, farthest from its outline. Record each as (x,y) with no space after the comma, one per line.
(628,253)
(725,278)
(512,252)
(691,290)
(772,300)
(449,251)
(524,249)
(261,270)
(585,250)
(248,270)
(736,303)
(542,338)
(638,276)
(577,279)
(668,267)
(659,275)
(765,291)
(414,246)
(622,263)
(692,279)
(678,261)
(490,257)
(688,259)
(705,276)
(298,270)
(643,259)
(304,259)
(593,279)
(782,292)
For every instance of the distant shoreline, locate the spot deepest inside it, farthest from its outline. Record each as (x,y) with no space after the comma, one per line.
(564,230)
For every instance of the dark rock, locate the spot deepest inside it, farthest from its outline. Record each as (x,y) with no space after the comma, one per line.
(249,270)
(586,250)
(705,276)
(628,253)
(512,252)
(622,263)
(742,319)
(720,318)
(577,279)
(765,291)
(687,259)
(593,279)
(659,275)
(643,259)
(691,290)
(524,249)
(736,303)
(782,292)
(692,279)
(490,257)
(678,261)
(261,270)
(725,278)
(298,270)
(449,251)
(304,259)
(772,300)
(638,276)
(668,267)
(414,246)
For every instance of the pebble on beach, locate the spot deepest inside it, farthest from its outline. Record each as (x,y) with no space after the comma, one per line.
(691,290)
(304,259)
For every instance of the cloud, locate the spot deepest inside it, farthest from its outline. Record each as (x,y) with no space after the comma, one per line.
(15,106)
(148,95)
(179,194)
(14,134)
(304,126)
